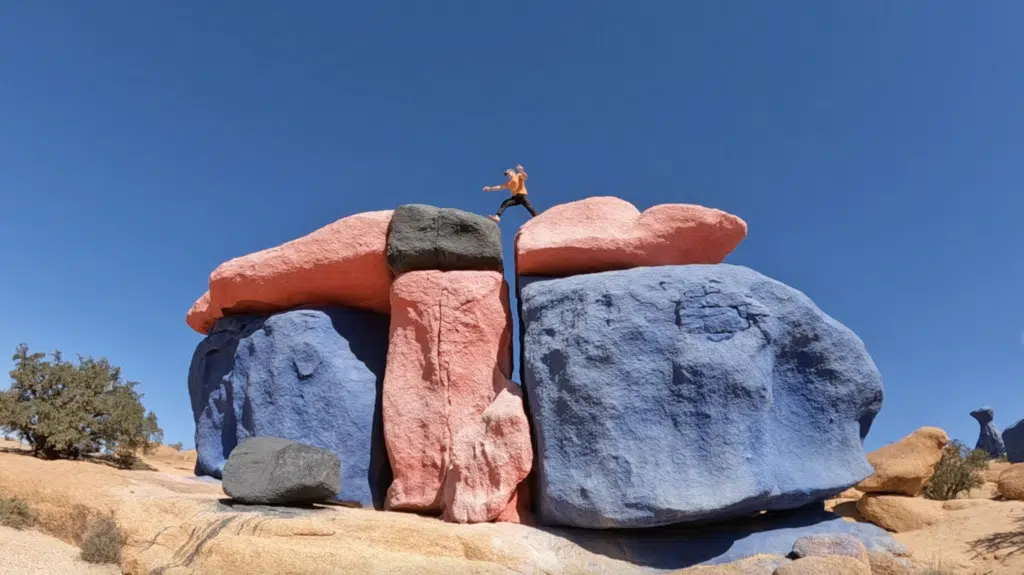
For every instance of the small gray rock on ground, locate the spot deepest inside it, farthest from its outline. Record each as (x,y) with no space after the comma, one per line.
(830,544)
(274,471)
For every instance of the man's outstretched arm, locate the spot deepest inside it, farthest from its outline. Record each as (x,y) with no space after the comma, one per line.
(495,188)
(522,171)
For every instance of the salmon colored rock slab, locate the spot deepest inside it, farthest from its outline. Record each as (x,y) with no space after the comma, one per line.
(202,317)
(606,233)
(489,459)
(449,357)
(342,263)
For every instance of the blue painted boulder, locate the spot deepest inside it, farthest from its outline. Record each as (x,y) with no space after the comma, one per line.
(312,376)
(989,439)
(1013,437)
(687,393)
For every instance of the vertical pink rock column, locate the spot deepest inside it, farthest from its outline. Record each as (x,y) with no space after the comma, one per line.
(454,424)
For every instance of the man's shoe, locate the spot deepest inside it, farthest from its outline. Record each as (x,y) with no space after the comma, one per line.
(494,217)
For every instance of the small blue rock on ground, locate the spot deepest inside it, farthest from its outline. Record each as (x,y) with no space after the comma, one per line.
(309,375)
(665,549)
(1013,437)
(688,393)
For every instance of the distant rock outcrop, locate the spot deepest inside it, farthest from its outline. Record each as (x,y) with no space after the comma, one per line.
(274,471)
(311,376)
(1013,437)
(989,439)
(423,237)
(906,466)
(606,233)
(684,393)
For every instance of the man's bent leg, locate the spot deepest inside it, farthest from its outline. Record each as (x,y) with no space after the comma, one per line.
(526,204)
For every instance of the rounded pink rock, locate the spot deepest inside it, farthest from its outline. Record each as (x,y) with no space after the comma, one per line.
(342,263)
(489,459)
(449,356)
(607,233)
(202,317)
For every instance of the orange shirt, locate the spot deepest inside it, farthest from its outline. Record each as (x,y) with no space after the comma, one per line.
(517,185)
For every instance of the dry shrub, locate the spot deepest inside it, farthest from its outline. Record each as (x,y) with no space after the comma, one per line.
(102,541)
(958,471)
(16,513)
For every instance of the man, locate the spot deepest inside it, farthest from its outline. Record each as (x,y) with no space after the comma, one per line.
(517,185)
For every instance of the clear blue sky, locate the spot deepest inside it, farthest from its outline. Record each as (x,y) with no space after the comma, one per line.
(874,148)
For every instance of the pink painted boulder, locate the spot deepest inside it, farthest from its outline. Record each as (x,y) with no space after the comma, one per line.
(450,356)
(489,459)
(342,263)
(202,317)
(607,233)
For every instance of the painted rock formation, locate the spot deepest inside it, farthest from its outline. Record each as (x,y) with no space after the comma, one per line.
(606,233)
(684,393)
(905,466)
(1013,437)
(989,439)
(427,238)
(311,376)
(450,357)
(275,471)
(341,264)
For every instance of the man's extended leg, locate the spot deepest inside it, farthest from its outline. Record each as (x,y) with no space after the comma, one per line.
(528,206)
(501,209)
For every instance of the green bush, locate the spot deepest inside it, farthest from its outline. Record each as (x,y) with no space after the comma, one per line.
(66,410)
(16,513)
(102,541)
(956,472)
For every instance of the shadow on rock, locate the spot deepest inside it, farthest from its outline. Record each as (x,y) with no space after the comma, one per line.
(679,547)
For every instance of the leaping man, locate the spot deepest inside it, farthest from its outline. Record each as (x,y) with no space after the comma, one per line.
(517,185)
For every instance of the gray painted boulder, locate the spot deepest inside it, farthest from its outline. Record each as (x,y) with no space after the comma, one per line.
(425,237)
(274,471)
(989,439)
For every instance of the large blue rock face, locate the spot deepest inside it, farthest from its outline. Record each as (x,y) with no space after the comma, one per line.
(1013,437)
(311,376)
(683,393)
(989,439)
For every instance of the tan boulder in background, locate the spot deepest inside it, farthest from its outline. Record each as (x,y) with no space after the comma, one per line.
(1011,482)
(898,513)
(905,466)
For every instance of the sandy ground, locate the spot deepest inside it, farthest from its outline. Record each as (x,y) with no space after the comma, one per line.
(177,524)
(34,553)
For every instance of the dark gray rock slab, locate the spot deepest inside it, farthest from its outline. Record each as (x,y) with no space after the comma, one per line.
(423,237)
(274,471)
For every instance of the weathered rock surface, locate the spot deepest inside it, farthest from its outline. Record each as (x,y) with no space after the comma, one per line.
(341,264)
(683,393)
(201,317)
(1011,482)
(607,233)
(450,357)
(274,471)
(424,237)
(888,564)
(989,439)
(899,513)
(1013,437)
(311,376)
(831,544)
(489,459)
(757,565)
(905,466)
(834,565)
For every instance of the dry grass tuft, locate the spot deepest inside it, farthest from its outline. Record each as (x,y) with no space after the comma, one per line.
(16,513)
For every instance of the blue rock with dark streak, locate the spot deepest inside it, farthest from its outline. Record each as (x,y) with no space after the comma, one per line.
(675,394)
(989,439)
(1013,437)
(309,375)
